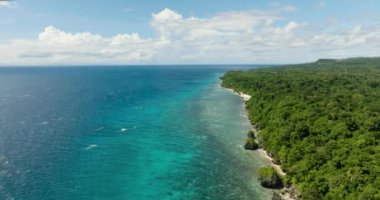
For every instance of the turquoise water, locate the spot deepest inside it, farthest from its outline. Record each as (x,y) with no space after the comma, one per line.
(123,133)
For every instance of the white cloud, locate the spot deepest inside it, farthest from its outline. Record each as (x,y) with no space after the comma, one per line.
(52,35)
(251,36)
(166,15)
(54,46)
(8,4)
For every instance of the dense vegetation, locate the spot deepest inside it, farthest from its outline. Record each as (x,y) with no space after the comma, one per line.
(321,121)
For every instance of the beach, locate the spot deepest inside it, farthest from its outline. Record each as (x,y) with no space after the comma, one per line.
(285,193)
(245,97)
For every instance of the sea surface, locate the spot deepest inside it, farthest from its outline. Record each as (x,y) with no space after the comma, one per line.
(147,132)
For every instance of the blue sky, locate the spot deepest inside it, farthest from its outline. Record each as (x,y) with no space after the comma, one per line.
(311,29)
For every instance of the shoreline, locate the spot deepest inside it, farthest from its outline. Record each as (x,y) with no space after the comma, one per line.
(245,97)
(285,193)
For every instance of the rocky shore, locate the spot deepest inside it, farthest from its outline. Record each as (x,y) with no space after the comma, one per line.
(273,181)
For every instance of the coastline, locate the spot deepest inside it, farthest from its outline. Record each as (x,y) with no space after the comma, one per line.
(285,193)
(245,97)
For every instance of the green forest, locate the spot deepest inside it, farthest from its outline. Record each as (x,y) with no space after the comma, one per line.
(321,122)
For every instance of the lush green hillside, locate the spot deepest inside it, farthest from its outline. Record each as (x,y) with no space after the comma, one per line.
(321,121)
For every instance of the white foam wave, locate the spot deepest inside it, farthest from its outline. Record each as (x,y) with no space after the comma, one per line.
(44,123)
(100,128)
(91,146)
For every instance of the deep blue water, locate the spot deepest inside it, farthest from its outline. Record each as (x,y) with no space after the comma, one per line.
(123,133)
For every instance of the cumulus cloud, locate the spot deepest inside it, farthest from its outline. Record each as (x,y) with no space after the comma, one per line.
(252,36)
(54,46)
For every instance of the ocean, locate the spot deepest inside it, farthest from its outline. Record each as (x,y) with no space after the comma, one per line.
(136,132)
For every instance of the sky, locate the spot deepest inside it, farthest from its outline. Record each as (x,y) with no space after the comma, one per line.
(128,32)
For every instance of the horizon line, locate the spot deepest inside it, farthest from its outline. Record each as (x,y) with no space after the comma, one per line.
(140,65)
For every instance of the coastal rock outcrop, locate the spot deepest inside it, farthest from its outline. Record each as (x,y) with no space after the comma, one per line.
(269,178)
(250,143)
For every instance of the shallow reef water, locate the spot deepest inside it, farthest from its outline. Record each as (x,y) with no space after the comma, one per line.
(141,132)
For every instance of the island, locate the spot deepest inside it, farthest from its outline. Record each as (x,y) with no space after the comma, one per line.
(320,121)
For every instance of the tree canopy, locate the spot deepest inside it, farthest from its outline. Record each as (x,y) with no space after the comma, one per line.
(321,121)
